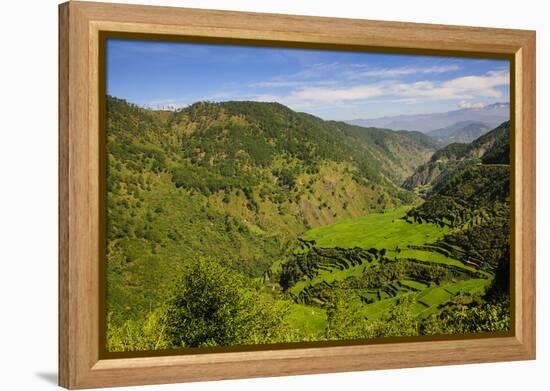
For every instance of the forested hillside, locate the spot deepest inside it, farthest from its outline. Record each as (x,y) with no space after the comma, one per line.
(492,147)
(246,222)
(235,181)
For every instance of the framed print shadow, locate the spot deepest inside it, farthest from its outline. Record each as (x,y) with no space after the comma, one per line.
(247,195)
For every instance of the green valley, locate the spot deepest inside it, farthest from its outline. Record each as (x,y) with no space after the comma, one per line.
(241,223)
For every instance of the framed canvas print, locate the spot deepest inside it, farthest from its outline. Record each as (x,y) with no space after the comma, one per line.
(247,195)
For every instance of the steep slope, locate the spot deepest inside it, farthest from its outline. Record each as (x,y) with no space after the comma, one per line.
(267,129)
(400,152)
(473,199)
(234,181)
(492,147)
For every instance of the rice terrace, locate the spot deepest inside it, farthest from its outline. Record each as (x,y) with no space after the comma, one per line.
(303,195)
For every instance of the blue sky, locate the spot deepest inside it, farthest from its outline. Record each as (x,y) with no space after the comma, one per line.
(330,84)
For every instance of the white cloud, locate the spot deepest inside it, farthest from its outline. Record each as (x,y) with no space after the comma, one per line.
(267,98)
(312,71)
(407,101)
(404,71)
(465,88)
(290,83)
(485,82)
(346,72)
(331,95)
(471,105)
(168,104)
(344,93)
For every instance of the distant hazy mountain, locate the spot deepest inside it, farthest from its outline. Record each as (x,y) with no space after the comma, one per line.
(491,115)
(460,132)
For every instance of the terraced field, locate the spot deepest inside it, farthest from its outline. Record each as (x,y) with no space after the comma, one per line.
(426,299)
(378,230)
(412,257)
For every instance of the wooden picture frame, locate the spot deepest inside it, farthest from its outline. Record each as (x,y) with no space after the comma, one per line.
(81,364)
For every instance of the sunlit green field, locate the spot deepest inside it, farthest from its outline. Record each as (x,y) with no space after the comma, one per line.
(395,236)
(379,230)
(308,320)
(429,256)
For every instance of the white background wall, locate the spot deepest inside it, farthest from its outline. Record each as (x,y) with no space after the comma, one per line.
(28,194)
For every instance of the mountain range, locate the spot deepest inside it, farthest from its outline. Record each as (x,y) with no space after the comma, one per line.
(491,115)
(460,132)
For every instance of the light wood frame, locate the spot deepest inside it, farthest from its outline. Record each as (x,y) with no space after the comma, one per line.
(80,364)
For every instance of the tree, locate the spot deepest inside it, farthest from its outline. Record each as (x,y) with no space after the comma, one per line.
(211,305)
(345,320)
(474,318)
(148,333)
